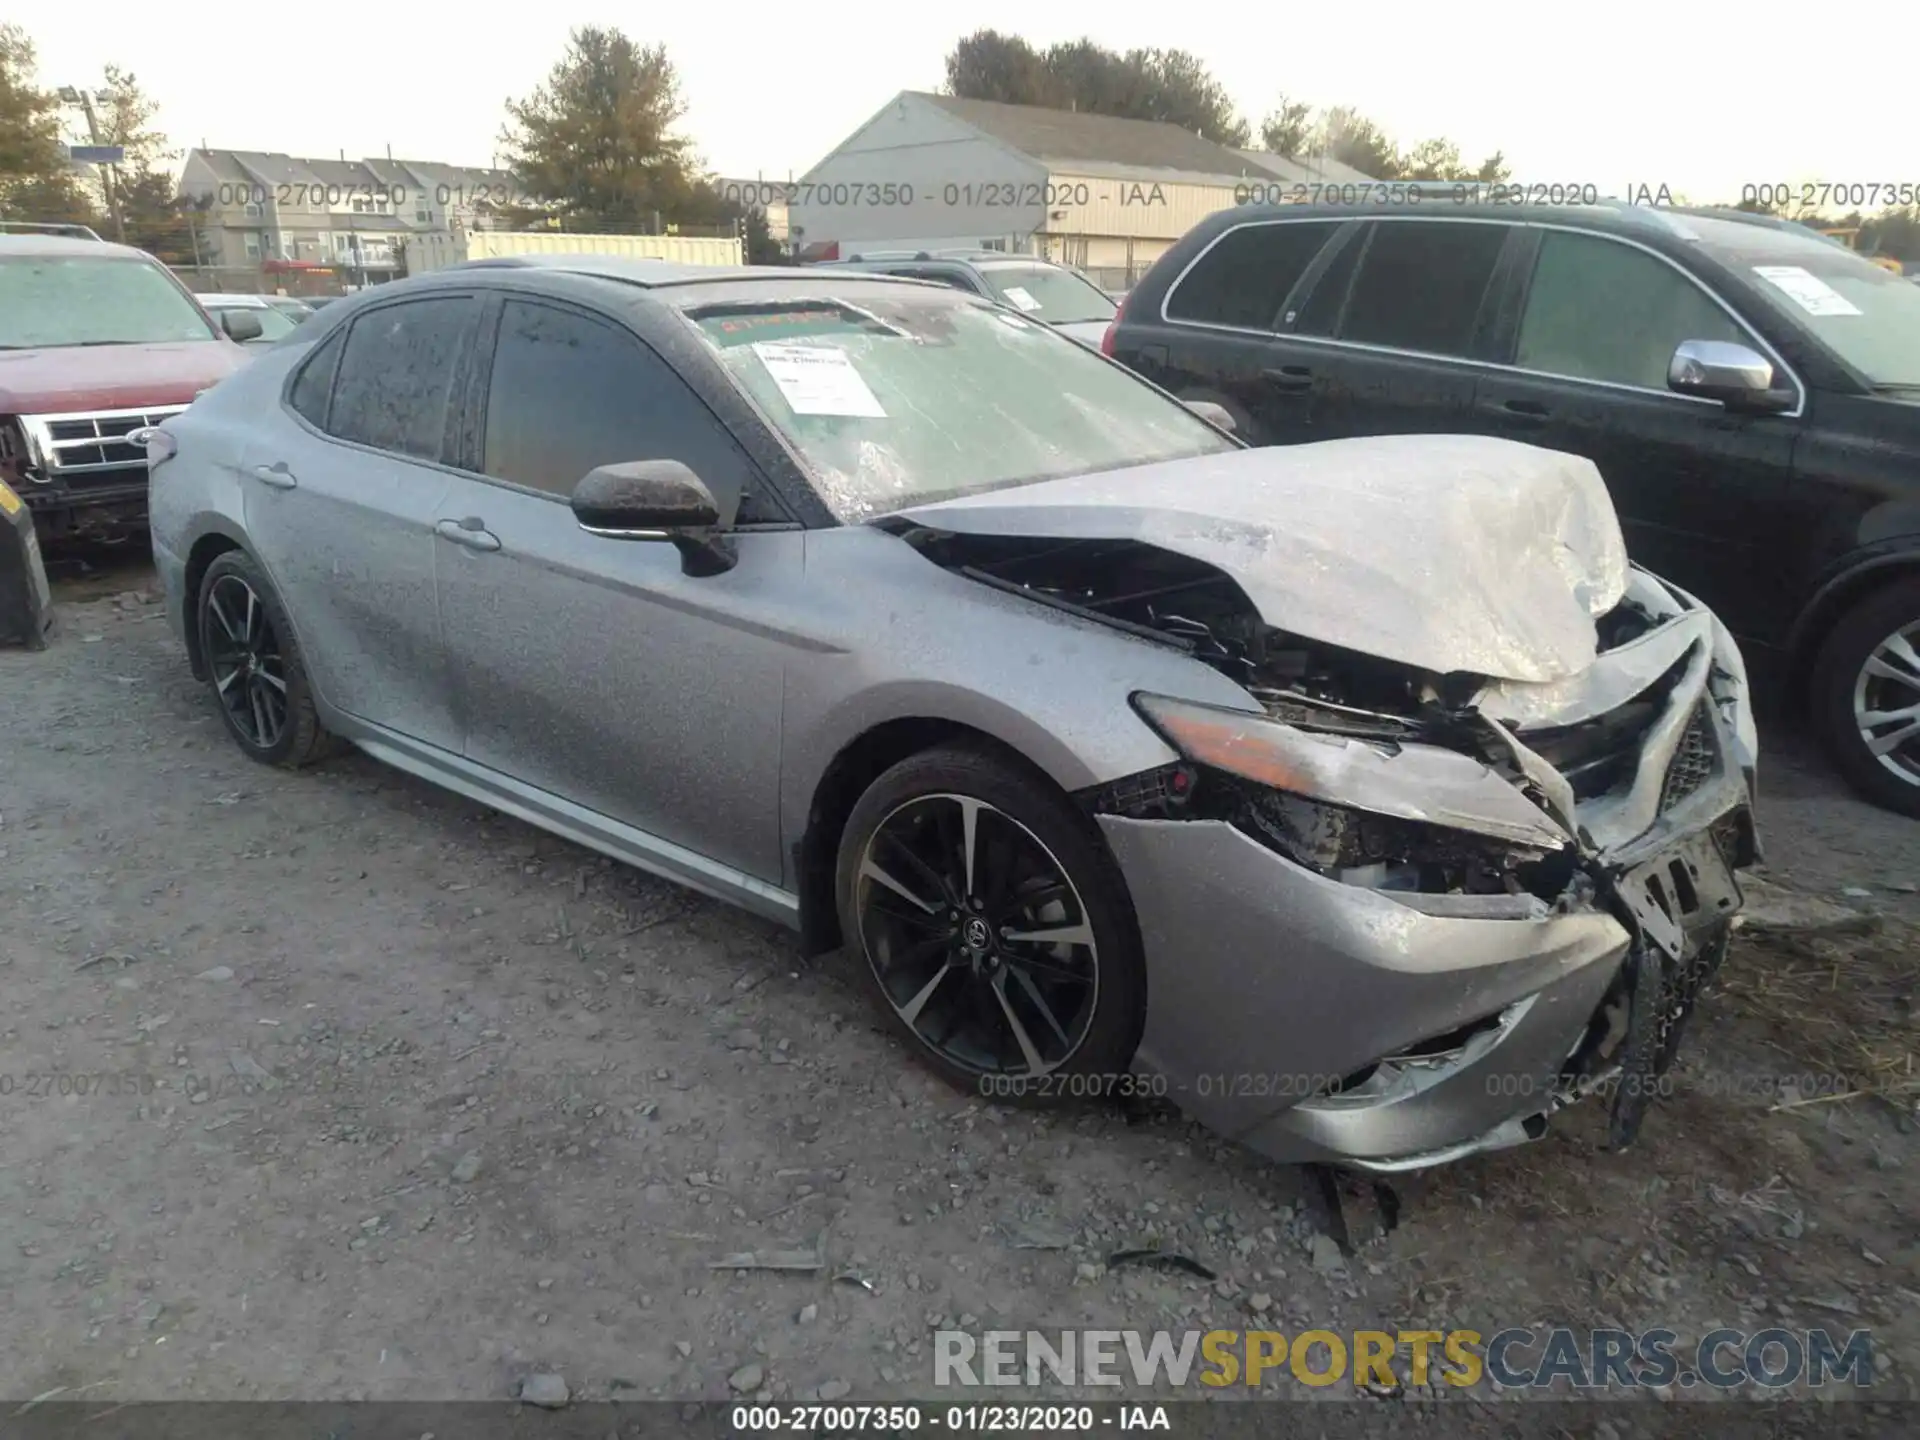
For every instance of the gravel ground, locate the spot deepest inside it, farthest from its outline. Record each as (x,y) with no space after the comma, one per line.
(395,1097)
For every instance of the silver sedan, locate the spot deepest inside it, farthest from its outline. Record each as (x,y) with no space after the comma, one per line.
(1360,798)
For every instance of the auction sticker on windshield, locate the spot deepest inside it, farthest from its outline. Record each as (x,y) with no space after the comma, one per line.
(1019,296)
(1807,290)
(818,380)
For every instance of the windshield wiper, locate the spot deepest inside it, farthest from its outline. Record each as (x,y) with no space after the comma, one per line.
(1898,387)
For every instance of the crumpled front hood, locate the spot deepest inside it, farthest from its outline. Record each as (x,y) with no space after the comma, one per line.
(1444,552)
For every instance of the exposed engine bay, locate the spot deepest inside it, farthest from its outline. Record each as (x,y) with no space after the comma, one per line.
(1177,600)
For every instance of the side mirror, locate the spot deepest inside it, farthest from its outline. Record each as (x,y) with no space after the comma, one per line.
(1215,415)
(1738,377)
(239,325)
(655,500)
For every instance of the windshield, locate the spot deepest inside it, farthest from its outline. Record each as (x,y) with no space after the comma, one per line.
(1868,316)
(920,397)
(49,300)
(1047,292)
(273,324)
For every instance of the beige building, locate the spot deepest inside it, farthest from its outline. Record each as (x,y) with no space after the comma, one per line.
(336,224)
(1103,194)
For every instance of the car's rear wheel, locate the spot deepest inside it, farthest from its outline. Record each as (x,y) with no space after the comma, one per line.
(254,667)
(1866,693)
(993,927)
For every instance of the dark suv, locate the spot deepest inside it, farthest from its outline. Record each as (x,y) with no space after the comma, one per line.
(1749,390)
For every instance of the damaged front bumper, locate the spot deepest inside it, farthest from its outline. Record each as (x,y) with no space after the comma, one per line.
(1370,1016)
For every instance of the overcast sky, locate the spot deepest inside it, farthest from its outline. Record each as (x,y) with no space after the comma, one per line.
(1698,97)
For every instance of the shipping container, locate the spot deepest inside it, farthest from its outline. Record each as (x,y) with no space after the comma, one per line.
(680,249)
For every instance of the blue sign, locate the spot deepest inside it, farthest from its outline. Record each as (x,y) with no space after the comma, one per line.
(97,154)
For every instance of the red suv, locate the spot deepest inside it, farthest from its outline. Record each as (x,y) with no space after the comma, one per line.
(96,340)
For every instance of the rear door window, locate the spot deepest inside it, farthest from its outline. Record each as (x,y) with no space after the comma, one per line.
(1421,284)
(1600,310)
(397,373)
(1244,277)
(313,386)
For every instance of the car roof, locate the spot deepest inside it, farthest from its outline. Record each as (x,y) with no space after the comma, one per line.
(15,243)
(686,283)
(937,257)
(1618,217)
(237,301)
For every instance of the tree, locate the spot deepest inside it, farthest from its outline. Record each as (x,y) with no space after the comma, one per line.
(1289,129)
(1494,170)
(1344,134)
(598,139)
(36,180)
(1439,159)
(1180,90)
(1166,85)
(987,65)
(1895,233)
(1350,138)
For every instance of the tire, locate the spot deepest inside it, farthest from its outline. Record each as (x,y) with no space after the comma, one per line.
(1095,992)
(275,682)
(1872,632)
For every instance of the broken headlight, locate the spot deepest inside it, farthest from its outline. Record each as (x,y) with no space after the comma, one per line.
(1407,781)
(1386,815)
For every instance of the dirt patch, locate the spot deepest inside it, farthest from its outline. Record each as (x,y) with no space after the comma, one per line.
(393,1097)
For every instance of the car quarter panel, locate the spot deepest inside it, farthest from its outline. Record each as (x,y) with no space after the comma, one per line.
(901,638)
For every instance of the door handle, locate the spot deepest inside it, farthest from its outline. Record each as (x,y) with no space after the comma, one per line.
(1519,412)
(277,475)
(470,532)
(1292,379)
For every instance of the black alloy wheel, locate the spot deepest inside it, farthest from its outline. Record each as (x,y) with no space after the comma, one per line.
(249,672)
(994,928)
(254,666)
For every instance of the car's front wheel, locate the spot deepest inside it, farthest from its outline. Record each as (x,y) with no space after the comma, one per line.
(1866,693)
(254,667)
(993,927)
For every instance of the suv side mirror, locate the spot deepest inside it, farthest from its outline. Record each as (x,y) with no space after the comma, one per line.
(655,500)
(1738,377)
(239,325)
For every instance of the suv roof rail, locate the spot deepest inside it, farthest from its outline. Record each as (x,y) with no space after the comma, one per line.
(1754,217)
(50,227)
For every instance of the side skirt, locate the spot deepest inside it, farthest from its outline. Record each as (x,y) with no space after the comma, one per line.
(573,822)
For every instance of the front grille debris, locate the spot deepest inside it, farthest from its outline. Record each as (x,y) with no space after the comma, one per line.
(1692,762)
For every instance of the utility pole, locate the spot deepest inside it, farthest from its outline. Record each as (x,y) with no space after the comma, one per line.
(109,174)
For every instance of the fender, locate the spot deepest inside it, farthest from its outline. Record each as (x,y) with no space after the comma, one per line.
(205,526)
(1845,580)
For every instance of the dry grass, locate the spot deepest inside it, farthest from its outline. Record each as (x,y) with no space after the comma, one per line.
(1840,1003)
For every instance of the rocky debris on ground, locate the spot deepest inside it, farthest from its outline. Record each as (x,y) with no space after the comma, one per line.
(1773,907)
(546,1390)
